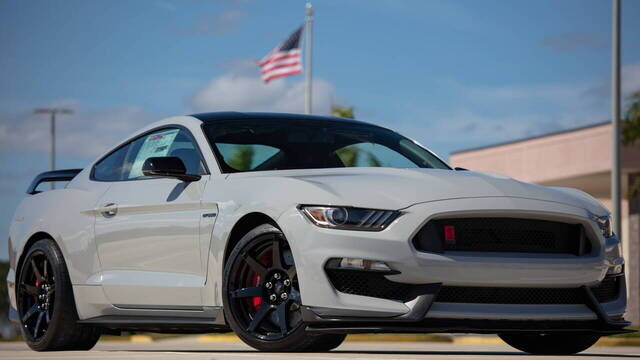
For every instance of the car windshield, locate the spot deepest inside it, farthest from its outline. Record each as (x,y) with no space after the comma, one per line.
(267,144)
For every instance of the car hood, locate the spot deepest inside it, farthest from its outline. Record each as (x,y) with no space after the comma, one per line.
(389,188)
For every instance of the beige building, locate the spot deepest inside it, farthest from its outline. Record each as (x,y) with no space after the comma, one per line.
(578,158)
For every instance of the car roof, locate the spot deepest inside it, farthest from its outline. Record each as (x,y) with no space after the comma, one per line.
(233,115)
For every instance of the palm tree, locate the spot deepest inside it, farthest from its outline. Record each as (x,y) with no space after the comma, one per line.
(631,134)
(631,122)
(242,157)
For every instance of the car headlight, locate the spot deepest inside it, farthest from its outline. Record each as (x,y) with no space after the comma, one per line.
(349,218)
(604,223)
(612,245)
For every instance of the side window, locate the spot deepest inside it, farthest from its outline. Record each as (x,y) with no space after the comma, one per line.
(111,168)
(166,142)
(374,155)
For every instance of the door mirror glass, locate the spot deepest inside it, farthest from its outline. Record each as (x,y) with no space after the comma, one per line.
(169,166)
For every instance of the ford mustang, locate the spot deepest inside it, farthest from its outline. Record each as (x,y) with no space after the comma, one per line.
(293,231)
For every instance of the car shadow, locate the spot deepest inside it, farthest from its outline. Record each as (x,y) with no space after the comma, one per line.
(382,352)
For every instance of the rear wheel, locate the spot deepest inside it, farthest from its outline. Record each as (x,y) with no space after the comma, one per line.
(550,344)
(46,305)
(262,298)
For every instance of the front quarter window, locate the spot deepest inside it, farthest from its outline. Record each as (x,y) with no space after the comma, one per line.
(111,168)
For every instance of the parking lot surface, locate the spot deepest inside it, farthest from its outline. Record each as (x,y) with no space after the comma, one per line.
(191,348)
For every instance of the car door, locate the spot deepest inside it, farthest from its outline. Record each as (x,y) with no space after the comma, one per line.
(147,229)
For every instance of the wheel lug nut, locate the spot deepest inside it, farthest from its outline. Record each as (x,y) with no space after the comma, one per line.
(273,297)
(268,285)
(276,276)
(284,296)
(287,282)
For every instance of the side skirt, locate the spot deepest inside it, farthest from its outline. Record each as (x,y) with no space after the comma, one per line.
(183,321)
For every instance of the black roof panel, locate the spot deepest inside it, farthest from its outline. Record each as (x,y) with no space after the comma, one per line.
(231,115)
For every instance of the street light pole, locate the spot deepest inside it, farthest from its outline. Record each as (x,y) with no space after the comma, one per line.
(615,117)
(53,112)
(308,30)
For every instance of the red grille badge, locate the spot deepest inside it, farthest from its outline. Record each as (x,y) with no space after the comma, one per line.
(450,234)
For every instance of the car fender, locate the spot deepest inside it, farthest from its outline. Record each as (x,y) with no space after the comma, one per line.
(67,216)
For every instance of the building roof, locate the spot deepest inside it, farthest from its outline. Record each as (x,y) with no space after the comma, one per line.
(531,137)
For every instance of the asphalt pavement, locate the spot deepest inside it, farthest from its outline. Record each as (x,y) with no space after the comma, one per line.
(191,348)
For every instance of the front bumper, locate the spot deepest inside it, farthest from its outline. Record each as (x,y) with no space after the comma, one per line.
(313,247)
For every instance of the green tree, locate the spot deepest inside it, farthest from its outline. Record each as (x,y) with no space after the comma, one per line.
(631,134)
(342,111)
(350,154)
(631,122)
(373,160)
(242,157)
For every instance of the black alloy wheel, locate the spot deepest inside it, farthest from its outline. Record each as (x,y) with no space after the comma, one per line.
(46,304)
(262,301)
(36,295)
(264,291)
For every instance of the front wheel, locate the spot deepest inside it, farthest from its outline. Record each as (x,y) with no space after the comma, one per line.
(550,344)
(46,306)
(261,295)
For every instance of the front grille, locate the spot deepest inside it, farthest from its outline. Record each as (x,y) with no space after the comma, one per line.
(369,284)
(502,235)
(606,291)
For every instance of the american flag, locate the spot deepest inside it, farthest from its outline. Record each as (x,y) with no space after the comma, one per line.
(284,60)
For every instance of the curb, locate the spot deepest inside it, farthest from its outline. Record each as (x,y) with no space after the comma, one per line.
(478,340)
(140,338)
(218,338)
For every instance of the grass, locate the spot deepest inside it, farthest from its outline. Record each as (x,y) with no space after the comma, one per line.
(633,335)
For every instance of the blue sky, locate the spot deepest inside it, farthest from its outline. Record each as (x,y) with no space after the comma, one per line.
(451,74)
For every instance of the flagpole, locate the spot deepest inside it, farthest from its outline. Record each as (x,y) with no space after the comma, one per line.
(308,27)
(615,117)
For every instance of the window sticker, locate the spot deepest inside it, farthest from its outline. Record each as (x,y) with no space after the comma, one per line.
(156,145)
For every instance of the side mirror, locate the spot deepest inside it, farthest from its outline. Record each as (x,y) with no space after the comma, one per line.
(167,167)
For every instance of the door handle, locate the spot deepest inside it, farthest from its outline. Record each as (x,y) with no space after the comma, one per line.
(109,210)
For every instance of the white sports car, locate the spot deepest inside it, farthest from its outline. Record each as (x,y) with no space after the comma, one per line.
(294,230)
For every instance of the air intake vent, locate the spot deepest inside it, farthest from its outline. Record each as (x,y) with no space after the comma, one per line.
(607,291)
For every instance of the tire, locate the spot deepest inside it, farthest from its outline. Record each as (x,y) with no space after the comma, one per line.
(550,344)
(259,270)
(46,306)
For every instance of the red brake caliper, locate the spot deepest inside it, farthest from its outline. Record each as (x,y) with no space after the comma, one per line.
(256,301)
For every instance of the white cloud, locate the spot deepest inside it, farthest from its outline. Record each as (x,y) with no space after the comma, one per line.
(547,92)
(215,23)
(249,93)
(574,41)
(485,115)
(84,134)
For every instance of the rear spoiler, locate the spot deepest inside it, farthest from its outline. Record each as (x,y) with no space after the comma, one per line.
(51,176)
